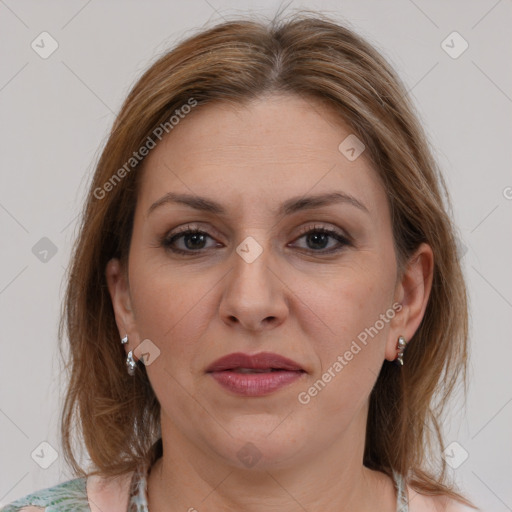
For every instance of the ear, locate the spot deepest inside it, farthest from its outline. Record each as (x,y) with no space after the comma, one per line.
(412,291)
(118,286)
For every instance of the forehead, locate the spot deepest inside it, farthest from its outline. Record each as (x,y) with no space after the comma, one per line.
(263,151)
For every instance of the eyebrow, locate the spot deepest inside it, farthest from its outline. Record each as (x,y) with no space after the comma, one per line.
(290,206)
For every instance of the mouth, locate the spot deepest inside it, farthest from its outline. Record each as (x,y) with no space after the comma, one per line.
(250,370)
(263,362)
(256,375)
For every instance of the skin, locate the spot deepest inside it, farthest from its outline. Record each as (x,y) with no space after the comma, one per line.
(294,299)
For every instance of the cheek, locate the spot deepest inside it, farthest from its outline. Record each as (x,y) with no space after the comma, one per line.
(352,302)
(170,308)
(349,360)
(355,311)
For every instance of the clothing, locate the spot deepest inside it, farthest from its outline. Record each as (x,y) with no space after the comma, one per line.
(71,496)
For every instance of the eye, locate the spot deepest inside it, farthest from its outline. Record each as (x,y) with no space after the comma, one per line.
(190,239)
(318,239)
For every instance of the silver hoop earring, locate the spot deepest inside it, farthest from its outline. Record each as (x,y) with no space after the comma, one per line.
(131,364)
(401,347)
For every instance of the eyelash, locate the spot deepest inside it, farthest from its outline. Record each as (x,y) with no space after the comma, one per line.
(168,241)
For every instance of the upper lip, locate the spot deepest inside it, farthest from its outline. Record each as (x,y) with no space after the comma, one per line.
(261,361)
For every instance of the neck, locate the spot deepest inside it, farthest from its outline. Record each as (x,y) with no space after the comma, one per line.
(189,478)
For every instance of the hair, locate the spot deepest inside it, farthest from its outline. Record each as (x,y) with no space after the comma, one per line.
(117,416)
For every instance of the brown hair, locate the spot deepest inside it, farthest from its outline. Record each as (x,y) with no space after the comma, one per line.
(236,61)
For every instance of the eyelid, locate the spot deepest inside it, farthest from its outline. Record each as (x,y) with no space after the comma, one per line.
(322,227)
(304,230)
(191,226)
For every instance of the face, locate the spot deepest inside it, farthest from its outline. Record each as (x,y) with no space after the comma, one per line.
(255,268)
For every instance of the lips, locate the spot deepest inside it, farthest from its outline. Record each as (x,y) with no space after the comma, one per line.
(255,376)
(258,363)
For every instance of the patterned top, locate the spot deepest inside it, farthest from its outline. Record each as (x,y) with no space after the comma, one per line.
(71,496)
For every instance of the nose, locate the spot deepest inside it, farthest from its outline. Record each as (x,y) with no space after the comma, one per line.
(254,297)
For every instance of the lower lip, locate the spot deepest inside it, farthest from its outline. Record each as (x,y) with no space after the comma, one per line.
(255,384)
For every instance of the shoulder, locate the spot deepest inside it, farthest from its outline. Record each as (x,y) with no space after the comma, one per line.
(109,494)
(422,503)
(69,495)
(86,494)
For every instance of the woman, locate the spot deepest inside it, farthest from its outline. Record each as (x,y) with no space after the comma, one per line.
(266,245)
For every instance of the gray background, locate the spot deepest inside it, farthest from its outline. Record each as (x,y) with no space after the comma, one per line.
(56,114)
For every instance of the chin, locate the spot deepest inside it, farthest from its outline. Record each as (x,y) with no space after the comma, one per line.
(259,446)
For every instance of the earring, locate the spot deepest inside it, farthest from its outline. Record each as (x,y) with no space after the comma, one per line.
(401,347)
(131,364)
